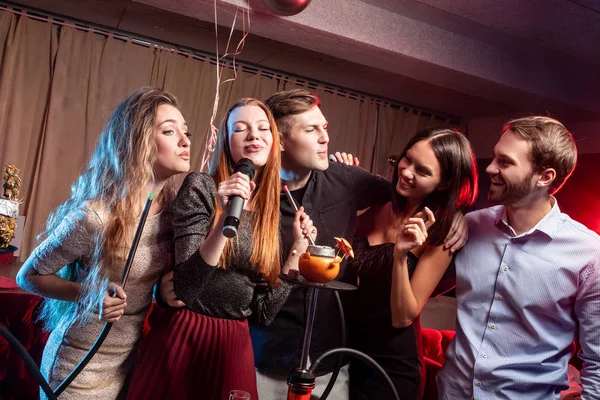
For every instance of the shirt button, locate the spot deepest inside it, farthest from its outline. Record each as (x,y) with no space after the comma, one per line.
(493,326)
(506,268)
(484,355)
(499,297)
(478,383)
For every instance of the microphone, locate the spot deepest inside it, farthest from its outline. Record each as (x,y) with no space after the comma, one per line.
(236,203)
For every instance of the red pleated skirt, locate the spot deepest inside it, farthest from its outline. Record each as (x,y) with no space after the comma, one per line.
(191,356)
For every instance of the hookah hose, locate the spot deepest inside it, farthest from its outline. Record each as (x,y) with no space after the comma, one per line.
(360,356)
(343,349)
(32,366)
(350,352)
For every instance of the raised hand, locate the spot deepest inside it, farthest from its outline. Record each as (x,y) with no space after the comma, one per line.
(111,308)
(414,232)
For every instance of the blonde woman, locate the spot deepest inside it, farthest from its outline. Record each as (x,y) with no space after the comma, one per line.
(77,265)
(204,350)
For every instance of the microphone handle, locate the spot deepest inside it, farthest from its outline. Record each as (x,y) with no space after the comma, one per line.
(234,214)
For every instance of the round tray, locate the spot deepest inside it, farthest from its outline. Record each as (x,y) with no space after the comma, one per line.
(332,285)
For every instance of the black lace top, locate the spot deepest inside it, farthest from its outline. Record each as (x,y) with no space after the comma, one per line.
(397,350)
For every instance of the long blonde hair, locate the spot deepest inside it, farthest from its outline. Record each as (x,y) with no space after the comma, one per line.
(265,198)
(113,182)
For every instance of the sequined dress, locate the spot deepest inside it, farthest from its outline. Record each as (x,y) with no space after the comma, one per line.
(105,375)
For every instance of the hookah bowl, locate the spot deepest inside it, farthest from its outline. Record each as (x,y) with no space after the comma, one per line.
(319,264)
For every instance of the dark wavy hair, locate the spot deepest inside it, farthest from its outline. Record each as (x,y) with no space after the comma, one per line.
(458,185)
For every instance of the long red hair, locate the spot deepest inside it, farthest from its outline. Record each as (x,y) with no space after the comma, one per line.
(265,198)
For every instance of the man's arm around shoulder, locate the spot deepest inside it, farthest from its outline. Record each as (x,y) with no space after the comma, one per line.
(369,189)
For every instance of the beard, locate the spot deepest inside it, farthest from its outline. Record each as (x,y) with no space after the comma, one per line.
(511,193)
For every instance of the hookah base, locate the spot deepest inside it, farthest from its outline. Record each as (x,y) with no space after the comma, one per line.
(301,383)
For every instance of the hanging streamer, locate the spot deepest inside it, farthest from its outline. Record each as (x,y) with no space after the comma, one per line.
(211,138)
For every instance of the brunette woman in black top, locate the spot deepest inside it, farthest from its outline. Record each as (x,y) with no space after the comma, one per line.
(401,256)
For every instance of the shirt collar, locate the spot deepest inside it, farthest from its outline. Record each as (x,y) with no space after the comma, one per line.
(547,225)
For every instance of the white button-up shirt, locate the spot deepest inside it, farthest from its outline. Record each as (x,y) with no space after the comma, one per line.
(522,300)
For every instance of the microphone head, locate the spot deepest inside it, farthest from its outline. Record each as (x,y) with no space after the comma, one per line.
(245,166)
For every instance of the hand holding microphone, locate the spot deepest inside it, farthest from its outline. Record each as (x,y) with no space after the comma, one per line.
(233,193)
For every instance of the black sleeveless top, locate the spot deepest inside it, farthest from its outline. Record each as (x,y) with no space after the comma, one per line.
(398,351)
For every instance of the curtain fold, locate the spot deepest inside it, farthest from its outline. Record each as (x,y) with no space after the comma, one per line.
(91,74)
(58,86)
(28,55)
(351,125)
(26,66)
(396,126)
(352,122)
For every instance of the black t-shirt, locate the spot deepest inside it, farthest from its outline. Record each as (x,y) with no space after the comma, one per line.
(331,198)
(298,195)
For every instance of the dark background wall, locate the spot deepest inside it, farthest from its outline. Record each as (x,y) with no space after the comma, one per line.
(579,197)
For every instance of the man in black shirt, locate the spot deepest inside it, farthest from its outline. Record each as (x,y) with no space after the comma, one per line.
(331,194)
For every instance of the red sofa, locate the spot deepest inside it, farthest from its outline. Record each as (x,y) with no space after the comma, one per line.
(18,311)
(435,342)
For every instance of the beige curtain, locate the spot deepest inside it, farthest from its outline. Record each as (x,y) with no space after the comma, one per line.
(91,74)
(27,52)
(395,128)
(58,87)
(194,84)
(352,123)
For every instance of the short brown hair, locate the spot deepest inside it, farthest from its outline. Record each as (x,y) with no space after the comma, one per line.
(552,146)
(285,105)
